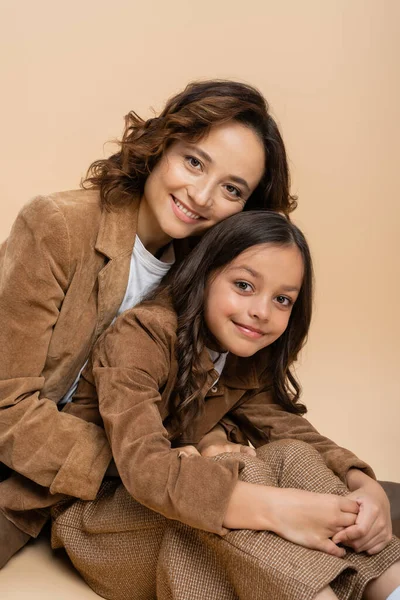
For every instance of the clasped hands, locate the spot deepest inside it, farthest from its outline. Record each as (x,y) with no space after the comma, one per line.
(360,520)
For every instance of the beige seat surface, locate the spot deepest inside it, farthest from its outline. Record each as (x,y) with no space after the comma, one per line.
(37,573)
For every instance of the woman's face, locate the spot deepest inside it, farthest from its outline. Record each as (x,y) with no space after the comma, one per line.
(249,302)
(196,185)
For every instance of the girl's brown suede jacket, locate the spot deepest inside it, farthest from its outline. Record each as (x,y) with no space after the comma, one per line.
(134,370)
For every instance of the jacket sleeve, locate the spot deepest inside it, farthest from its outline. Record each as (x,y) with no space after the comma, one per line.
(131,364)
(53,449)
(262,421)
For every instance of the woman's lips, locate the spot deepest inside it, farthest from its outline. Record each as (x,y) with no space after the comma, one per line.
(249,331)
(183,212)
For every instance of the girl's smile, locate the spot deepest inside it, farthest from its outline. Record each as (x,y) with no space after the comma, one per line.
(248,303)
(197,184)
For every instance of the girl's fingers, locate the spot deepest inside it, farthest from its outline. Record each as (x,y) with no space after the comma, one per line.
(188,451)
(330,548)
(366,546)
(377,548)
(248,450)
(347,519)
(349,505)
(346,536)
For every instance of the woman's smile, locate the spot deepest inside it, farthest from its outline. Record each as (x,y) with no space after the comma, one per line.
(183,212)
(196,185)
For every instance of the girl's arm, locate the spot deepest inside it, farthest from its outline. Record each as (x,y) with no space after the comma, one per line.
(302,517)
(372,530)
(131,364)
(53,449)
(258,414)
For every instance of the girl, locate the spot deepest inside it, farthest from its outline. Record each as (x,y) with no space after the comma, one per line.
(74,260)
(219,337)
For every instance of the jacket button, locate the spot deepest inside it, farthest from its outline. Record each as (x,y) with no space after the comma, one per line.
(214,389)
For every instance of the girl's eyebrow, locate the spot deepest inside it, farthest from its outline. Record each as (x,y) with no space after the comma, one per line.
(285,288)
(207,158)
(246,268)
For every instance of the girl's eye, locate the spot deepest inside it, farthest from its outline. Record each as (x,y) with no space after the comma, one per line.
(234,191)
(284,300)
(193,162)
(243,286)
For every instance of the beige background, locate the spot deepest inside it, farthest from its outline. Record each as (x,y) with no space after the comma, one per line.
(330,70)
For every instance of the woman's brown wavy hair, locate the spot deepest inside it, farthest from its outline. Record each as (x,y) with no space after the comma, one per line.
(186,284)
(189,116)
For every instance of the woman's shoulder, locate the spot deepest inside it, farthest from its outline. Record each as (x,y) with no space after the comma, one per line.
(72,204)
(73,208)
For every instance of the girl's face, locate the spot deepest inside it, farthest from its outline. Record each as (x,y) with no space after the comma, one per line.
(196,185)
(248,303)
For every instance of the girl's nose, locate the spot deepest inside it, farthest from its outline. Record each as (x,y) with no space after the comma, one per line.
(260,309)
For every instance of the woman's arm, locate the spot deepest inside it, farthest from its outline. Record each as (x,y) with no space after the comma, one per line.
(216,442)
(131,363)
(53,449)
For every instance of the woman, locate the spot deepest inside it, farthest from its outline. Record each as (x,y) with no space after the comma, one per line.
(74,260)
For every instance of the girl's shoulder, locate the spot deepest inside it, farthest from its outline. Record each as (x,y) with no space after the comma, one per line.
(156,318)
(142,337)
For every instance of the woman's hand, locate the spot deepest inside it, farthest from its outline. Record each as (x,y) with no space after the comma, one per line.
(216,442)
(372,530)
(302,517)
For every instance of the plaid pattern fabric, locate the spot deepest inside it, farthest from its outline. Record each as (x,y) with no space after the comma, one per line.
(128,552)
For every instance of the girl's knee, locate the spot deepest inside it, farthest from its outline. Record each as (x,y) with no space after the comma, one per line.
(288,448)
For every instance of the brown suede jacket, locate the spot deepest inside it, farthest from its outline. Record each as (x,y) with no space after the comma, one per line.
(63,275)
(134,370)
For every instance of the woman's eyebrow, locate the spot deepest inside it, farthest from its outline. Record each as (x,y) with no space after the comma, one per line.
(207,158)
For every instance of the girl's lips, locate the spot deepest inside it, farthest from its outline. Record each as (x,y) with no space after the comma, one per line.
(177,207)
(249,331)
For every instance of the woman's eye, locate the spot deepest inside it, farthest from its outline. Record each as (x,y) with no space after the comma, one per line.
(234,191)
(284,301)
(243,286)
(193,162)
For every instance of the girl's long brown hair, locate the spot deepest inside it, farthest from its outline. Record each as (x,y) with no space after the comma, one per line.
(187,283)
(189,116)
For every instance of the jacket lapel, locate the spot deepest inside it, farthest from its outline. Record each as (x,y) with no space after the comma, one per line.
(115,241)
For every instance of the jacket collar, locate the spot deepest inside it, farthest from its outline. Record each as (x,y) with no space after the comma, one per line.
(117,230)
(239,373)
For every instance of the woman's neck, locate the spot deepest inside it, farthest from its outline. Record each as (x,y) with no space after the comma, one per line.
(149,231)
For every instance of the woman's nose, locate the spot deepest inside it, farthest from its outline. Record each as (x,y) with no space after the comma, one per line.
(201,194)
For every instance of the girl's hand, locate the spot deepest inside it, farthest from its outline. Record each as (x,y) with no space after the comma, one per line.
(187,451)
(372,530)
(311,519)
(214,449)
(302,517)
(215,442)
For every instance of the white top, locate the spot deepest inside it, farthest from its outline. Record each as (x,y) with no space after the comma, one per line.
(219,360)
(145,272)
